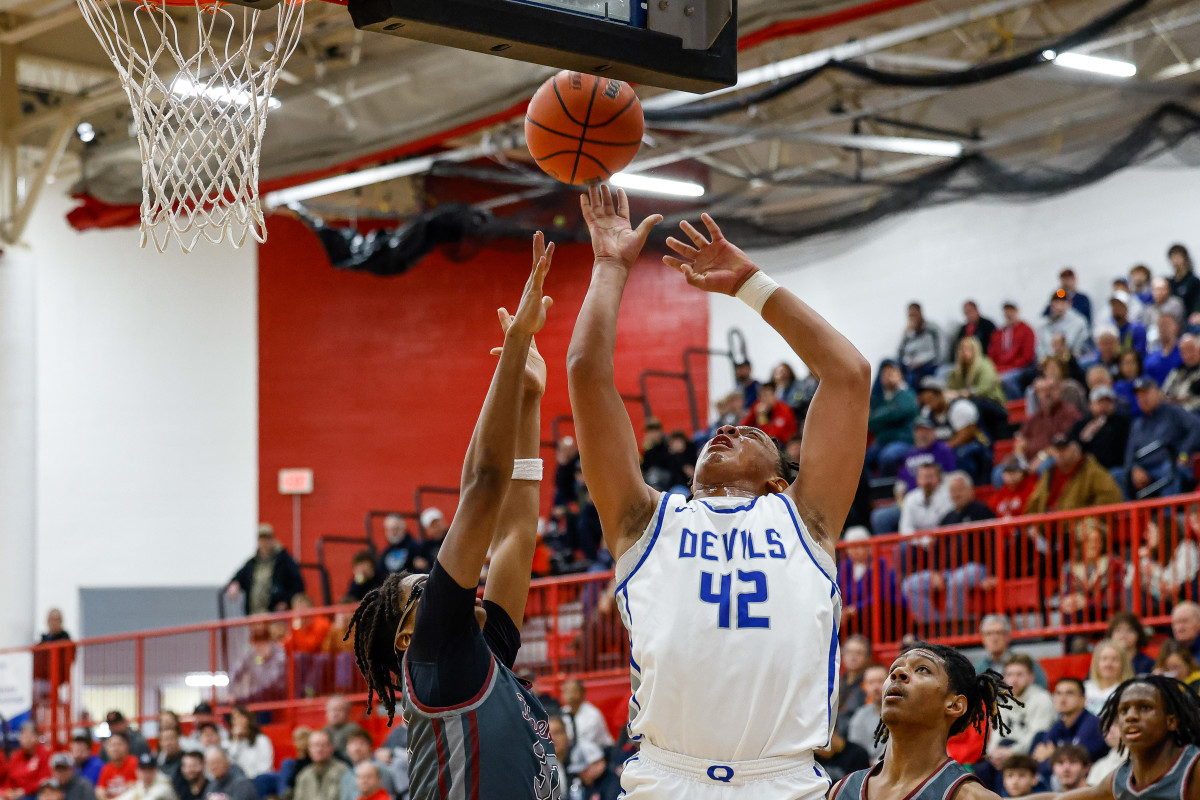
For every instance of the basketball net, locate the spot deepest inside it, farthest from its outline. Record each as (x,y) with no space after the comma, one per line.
(200,93)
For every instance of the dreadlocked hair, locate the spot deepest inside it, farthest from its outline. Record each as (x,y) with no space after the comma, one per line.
(987,694)
(1178,701)
(374,627)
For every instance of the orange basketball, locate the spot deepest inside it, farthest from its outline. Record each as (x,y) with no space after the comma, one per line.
(581,129)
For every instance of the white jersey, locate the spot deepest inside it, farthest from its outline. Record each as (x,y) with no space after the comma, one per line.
(732,610)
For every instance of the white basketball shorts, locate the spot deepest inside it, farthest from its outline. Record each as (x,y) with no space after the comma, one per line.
(656,774)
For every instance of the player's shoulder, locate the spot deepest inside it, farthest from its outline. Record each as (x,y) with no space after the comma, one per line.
(973,790)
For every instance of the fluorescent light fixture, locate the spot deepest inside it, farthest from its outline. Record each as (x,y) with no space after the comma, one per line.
(366,177)
(86,132)
(665,186)
(184,86)
(941,148)
(1102,66)
(206,679)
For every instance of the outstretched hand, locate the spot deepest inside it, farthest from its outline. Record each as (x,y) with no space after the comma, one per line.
(613,236)
(531,314)
(715,266)
(535,365)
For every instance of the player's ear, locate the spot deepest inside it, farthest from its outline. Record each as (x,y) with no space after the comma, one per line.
(956,705)
(776,485)
(1172,723)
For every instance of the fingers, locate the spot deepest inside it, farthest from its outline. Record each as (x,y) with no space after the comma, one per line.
(547,302)
(606,199)
(506,319)
(622,203)
(693,234)
(539,246)
(684,249)
(644,229)
(711,224)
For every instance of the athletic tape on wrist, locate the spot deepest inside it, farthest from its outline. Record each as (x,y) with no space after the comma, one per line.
(755,291)
(527,469)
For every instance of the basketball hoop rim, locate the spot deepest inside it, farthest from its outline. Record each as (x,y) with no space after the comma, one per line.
(218,3)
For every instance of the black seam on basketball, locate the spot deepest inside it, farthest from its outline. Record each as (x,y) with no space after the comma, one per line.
(625,108)
(585,140)
(589,156)
(583,133)
(566,110)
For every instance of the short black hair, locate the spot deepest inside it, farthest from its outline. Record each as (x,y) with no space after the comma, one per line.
(785,467)
(1068,679)
(124,737)
(363,557)
(1178,701)
(987,694)
(193,754)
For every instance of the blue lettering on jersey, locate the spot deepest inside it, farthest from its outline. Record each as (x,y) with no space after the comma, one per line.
(711,546)
(720,772)
(776,545)
(687,544)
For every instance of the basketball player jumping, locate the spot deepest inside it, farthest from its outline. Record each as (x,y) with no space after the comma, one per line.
(731,598)
(931,694)
(1159,720)
(474,729)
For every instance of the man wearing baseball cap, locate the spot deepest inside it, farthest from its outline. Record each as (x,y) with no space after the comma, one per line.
(151,783)
(1062,318)
(74,787)
(1131,332)
(269,580)
(1158,455)
(433,532)
(1105,432)
(1076,480)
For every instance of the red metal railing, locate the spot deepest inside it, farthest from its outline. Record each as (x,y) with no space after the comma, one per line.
(1055,575)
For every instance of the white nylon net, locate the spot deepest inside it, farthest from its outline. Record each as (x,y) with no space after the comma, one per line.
(200,86)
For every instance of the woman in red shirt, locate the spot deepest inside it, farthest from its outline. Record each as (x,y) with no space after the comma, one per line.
(1010,499)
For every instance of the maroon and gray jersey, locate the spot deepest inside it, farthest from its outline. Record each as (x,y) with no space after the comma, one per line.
(495,746)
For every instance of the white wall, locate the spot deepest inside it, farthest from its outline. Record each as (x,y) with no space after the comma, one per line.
(984,250)
(147,432)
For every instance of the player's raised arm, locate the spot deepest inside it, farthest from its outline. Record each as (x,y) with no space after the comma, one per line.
(608,449)
(516,530)
(835,432)
(488,467)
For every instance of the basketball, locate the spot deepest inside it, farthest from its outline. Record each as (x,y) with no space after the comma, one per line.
(581,129)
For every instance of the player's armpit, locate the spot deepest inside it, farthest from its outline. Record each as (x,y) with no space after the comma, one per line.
(972,790)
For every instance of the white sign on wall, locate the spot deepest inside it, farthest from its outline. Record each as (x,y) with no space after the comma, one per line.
(295,481)
(16,685)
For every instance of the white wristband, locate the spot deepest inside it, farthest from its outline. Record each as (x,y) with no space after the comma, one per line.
(755,291)
(527,469)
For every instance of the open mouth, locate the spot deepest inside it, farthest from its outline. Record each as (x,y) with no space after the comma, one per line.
(720,440)
(1129,733)
(894,692)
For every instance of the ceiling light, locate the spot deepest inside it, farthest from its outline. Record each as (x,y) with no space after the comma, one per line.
(1102,66)
(184,86)
(86,132)
(941,148)
(367,177)
(644,183)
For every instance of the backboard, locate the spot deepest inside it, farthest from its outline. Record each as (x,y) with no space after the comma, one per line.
(689,45)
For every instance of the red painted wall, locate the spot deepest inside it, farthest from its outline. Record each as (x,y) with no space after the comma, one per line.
(375,383)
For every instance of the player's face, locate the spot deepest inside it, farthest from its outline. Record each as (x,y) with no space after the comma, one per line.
(409,606)
(1143,721)
(917,691)
(735,454)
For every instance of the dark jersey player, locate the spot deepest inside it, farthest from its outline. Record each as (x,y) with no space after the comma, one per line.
(475,730)
(1159,720)
(931,694)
